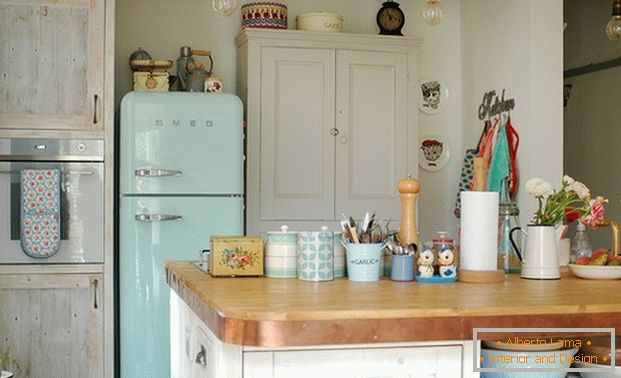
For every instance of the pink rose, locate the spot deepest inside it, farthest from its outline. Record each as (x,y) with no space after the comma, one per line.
(597,212)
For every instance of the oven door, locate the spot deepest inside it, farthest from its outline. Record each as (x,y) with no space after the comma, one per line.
(81,213)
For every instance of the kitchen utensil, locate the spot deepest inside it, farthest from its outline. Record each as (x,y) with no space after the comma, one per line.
(539,257)
(402,268)
(409,188)
(196,80)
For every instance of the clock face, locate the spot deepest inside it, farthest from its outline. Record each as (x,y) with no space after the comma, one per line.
(390,19)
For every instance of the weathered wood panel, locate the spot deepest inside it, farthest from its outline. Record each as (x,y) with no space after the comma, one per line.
(46,68)
(51,64)
(50,325)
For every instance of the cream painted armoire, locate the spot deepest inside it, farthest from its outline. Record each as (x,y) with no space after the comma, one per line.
(331,125)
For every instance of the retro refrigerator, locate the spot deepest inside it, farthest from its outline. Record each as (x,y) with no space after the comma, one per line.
(180,182)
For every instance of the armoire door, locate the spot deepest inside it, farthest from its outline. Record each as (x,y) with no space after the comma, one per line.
(296,141)
(372,144)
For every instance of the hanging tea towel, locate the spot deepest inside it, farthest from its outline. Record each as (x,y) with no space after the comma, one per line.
(501,164)
(40,212)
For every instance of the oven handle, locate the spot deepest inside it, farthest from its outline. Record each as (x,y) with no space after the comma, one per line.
(156,217)
(150,172)
(81,173)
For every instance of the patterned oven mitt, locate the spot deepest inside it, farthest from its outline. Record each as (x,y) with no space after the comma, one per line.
(40,212)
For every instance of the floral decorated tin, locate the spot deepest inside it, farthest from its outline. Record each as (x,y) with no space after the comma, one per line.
(236,256)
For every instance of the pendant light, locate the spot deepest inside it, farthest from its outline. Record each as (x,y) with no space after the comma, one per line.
(613,29)
(432,12)
(224,7)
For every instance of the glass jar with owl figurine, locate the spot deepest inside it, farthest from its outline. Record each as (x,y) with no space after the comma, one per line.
(437,262)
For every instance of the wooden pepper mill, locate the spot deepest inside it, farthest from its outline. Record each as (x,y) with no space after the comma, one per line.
(409,188)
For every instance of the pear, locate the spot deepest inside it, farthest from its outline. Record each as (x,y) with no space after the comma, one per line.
(600,260)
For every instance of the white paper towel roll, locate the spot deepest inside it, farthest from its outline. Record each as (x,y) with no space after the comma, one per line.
(479,231)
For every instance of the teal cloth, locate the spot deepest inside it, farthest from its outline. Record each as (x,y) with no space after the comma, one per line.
(499,167)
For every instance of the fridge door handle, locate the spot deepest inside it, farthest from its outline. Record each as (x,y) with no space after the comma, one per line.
(150,172)
(156,217)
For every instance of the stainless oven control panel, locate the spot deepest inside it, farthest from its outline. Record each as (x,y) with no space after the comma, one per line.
(26,149)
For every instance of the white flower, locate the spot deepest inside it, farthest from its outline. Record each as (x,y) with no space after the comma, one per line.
(539,188)
(580,189)
(568,180)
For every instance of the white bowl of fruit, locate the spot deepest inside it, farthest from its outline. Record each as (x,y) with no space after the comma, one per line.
(602,265)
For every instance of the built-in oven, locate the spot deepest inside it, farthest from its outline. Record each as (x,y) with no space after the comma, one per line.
(79,165)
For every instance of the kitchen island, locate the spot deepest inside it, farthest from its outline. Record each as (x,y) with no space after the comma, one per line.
(254,319)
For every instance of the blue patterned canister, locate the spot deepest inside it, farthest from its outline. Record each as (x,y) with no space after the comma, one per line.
(339,255)
(316,255)
(281,253)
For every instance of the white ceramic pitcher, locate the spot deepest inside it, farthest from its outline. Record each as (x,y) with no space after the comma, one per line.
(539,256)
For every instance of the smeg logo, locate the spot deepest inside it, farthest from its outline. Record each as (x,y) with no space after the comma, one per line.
(179,123)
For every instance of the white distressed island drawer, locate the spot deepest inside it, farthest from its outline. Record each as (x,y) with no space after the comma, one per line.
(384,362)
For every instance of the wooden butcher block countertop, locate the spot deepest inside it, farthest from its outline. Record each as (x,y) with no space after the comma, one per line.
(272,312)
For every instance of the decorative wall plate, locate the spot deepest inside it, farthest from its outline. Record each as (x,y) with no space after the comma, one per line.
(434,152)
(434,96)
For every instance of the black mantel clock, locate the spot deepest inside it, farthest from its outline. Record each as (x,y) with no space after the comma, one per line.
(390,18)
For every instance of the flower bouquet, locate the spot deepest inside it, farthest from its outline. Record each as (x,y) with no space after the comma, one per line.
(570,203)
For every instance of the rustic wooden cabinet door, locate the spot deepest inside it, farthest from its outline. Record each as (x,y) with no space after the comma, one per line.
(51,64)
(51,325)
(372,144)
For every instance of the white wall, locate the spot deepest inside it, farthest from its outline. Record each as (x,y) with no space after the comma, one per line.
(517,45)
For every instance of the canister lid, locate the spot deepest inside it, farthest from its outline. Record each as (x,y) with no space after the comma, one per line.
(442,238)
(284,229)
(324,14)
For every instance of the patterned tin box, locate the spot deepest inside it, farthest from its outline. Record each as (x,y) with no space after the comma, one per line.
(268,15)
(236,256)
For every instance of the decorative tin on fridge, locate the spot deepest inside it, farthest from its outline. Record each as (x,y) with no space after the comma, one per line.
(236,256)
(151,81)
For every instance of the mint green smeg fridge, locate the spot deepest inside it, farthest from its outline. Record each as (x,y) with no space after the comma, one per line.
(180,182)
